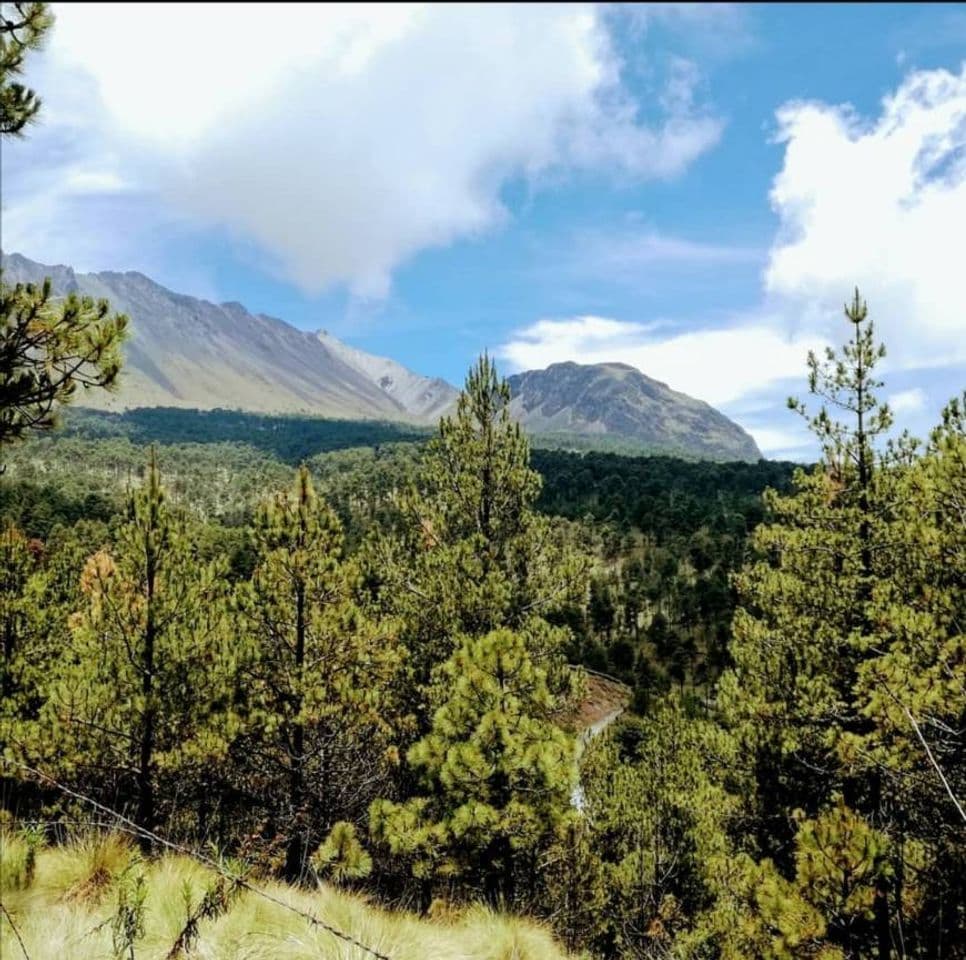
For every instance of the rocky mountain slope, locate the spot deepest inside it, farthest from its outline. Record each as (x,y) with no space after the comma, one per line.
(614,400)
(186,352)
(424,397)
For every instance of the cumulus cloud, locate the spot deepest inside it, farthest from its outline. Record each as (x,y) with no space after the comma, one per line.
(876,203)
(341,140)
(879,204)
(717,365)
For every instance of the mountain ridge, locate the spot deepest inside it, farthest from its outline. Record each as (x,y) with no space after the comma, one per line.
(616,400)
(195,354)
(188,352)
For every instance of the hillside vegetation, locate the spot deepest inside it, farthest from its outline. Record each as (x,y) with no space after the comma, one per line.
(666,533)
(361,670)
(82,901)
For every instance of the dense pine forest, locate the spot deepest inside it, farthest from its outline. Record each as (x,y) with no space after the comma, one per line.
(284,687)
(665,535)
(365,670)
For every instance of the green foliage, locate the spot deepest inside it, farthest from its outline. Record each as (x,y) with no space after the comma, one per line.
(913,691)
(127,924)
(144,670)
(757,912)
(49,349)
(341,856)
(657,809)
(217,899)
(847,645)
(469,554)
(23,27)
(847,382)
(286,437)
(495,773)
(317,711)
(666,533)
(839,859)
(38,508)
(807,805)
(20,595)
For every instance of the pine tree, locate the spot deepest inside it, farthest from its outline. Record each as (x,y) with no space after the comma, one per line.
(38,592)
(23,27)
(131,700)
(318,676)
(657,811)
(470,554)
(495,773)
(342,857)
(843,589)
(912,688)
(47,349)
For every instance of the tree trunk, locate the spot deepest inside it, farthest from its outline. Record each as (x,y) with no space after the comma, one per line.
(881,903)
(145,809)
(296,854)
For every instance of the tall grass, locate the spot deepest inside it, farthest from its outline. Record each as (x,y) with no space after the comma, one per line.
(64,912)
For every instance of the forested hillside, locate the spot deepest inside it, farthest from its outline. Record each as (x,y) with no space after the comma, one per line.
(665,534)
(358,670)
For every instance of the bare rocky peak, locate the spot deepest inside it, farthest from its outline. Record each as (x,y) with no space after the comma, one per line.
(618,401)
(424,397)
(188,352)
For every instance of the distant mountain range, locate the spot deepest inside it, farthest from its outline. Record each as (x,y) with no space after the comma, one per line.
(186,352)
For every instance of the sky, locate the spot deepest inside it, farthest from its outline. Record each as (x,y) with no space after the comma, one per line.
(694,190)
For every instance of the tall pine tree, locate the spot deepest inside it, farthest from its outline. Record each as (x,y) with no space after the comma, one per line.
(829,612)
(131,701)
(469,553)
(317,677)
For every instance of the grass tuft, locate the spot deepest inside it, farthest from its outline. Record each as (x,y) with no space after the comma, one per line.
(85,869)
(18,858)
(66,913)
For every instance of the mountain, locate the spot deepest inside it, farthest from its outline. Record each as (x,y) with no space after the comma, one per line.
(425,398)
(186,352)
(617,404)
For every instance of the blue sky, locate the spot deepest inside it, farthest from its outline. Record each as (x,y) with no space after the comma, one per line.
(694,190)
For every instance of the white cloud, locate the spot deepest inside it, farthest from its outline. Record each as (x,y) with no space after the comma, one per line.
(716,365)
(340,139)
(632,249)
(908,401)
(879,204)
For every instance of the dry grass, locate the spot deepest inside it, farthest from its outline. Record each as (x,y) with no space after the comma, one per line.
(65,913)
